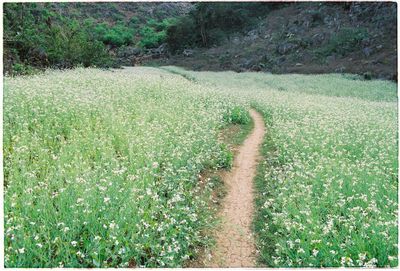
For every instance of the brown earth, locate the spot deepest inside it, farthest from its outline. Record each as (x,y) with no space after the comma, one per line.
(235,241)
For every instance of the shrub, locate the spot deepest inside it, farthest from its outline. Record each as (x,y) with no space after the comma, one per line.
(45,39)
(226,157)
(154,33)
(22,69)
(237,115)
(117,35)
(151,38)
(344,41)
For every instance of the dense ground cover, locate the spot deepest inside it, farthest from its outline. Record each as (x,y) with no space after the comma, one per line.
(327,188)
(101,167)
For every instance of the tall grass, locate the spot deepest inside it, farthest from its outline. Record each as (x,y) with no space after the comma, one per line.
(327,186)
(101,168)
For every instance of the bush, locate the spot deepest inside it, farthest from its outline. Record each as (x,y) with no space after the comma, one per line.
(22,69)
(237,115)
(151,38)
(225,159)
(45,39)
(182,34)
(346,40)
(117,35)
(154,33)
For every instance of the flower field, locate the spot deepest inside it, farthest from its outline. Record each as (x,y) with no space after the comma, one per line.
(101,167)
(327,188)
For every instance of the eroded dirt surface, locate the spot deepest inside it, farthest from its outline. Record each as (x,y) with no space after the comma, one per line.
(235,241)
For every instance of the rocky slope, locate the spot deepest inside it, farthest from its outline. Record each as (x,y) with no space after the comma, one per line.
(314,37)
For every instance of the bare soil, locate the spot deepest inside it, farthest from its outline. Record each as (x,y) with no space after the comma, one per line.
(235,241)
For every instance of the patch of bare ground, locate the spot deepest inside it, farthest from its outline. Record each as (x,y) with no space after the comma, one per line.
(235,241)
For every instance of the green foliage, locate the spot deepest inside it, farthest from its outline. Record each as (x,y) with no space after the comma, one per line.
(22,69)
(134,21)
(211,23)
(326,192)
(226,157)
(154,33)
(42,38)
(367,76)
(345,41)
(38,36)
(117,35)
(182,34)
(150,37)
(96,177)
(237,115)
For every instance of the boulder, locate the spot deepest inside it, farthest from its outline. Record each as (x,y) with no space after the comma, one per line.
(317,39)
(330,58)
(188,52)
(247,64)
(367,51)
(236,40)
(286,47)
(162,49)
(128,52)
(251,35)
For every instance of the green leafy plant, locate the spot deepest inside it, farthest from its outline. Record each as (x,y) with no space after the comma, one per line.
(345,41)
(237,115)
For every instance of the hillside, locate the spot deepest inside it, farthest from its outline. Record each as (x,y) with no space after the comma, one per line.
(66,35)
(307,38)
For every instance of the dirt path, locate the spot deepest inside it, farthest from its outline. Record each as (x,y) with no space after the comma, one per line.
(235,241)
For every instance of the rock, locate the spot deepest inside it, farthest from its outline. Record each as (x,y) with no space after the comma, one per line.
(188,52)
(256,68)
(280,60)
(367,76)
(340,69)
(236,40)
(247,63)
(317,39)
(284,48)
(162,49)
(128,51)
(367,51)
(316,17)
(38,56)
(365,42)
(330,58)
(251,35)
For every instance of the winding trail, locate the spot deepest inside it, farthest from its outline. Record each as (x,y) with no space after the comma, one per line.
(235,240)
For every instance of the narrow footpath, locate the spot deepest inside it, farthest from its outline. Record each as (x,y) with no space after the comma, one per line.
(235,240)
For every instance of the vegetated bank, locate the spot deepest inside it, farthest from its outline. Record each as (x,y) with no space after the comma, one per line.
(307,38)
(65,35)
(276,37)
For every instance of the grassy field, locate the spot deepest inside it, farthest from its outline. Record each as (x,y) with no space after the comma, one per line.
(101,167)
(327,188)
